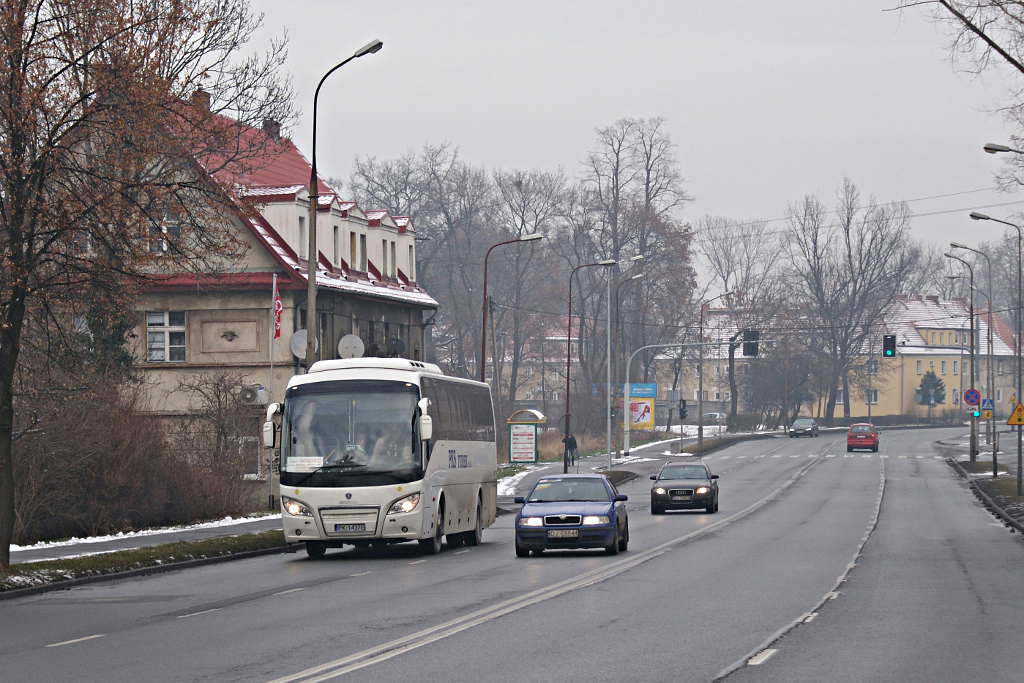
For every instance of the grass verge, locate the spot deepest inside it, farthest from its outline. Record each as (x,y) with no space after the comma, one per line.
(54,571)
(978,467)
(1003,492)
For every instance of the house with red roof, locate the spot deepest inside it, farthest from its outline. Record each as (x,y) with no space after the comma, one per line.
(222,320)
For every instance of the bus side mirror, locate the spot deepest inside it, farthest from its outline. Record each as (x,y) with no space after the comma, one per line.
(426,427)
(269,435)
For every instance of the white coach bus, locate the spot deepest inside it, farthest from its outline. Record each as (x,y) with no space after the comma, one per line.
(377,450)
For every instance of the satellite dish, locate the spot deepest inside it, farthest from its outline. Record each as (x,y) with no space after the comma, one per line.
(297,344)
(394,347)
(351,346)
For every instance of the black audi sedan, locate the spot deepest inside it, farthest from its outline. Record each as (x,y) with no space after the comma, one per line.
(803,426)
(684,486)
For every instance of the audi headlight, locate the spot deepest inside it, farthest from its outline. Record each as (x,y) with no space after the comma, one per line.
(660,491)
(702,489)
(407,504)
(595,519)
(531,521)
(294,507)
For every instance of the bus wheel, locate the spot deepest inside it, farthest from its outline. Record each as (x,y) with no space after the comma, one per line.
(432,546)
(475,536)
(315,549)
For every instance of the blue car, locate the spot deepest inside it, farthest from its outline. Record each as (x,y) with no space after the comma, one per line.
(572,511)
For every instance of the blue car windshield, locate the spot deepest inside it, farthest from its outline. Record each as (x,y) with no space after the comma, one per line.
(569,490)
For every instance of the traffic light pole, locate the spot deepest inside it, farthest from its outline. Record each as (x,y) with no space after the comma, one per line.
(629,391)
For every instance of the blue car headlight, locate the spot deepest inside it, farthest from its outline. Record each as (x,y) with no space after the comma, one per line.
(590,520)
(531,521)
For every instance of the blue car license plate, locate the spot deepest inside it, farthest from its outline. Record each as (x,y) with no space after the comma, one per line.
(350,527)
(563,533)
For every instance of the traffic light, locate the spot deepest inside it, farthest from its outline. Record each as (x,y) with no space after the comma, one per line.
(750,338)
(976,414)
(682,409)
(889,345)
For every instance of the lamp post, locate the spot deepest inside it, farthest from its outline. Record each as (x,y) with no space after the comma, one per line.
(568,356)
(608,364)
(991,431)
(312,254)
(483,318)
(615,371)
(1020,311)
(974,364)
(700,374)
(995,148)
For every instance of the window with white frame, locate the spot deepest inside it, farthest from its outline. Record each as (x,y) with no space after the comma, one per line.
(919,369)
(394,259)
(942,367)
(872,367)
(412,263)
(337,245)
(999,394)
(871,396)
(362,253)
(303,238)
(840,397)
(954,367)
(165,336)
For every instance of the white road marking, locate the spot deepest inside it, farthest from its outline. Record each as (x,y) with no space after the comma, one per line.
(883,456)
(795,456)
(418,562)
(723,457)
(360,574)
(902,456)
(849,456)
(196,614)
(76,640)
(761,657)
(810,617)
(293,590)
(831,455)
(866,456)
(776,456)
(459,552)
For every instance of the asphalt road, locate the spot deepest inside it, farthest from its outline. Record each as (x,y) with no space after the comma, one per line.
(930,591)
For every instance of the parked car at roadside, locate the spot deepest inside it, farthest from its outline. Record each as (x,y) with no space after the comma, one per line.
(861,435)
(803,426)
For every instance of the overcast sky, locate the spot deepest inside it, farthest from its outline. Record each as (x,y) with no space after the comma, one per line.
(765,101)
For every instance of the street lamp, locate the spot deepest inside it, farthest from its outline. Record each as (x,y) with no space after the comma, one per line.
(974,364)
(568,356)
(995,148)
(700,375)
(615,370)
(312,255)
(483,331)
(1020,311)
(608,358)
(991,431)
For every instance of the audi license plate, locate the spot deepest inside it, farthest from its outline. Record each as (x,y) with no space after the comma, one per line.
(563,533)
(350,527)
(682,499)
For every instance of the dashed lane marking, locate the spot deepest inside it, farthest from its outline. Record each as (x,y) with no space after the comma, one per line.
(76,640)
(459,552)
(293,590)
(196,614)
(761,657)
(418,562)
(360,574)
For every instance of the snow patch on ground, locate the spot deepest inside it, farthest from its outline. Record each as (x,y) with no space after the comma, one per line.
(507,485)
(227,521)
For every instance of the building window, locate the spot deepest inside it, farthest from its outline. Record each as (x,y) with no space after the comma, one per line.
(956,397)
(933,339)
(352,260)
(942,367)
(954,367)
(718,397)
(942,338)
(999,394)
(871,396)
(840,398)
(165,336)
(337,246)
(728,396)
(872,367)
(362,253)
(303,239)
(384,257)
(394,260)
(919,368)
(412,263)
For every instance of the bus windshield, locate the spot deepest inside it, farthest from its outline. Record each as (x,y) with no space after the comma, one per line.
(357,427)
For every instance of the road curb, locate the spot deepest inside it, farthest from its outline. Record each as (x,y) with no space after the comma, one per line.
(985,498)
(143,571)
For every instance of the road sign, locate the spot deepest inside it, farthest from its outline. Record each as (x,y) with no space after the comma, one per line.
(972,397)
(987,404)
(1017,416)
(1013,399)
(986,415)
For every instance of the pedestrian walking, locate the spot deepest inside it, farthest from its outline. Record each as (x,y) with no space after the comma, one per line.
(570,449)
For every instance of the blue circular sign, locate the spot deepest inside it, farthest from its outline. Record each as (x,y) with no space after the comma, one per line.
(972,397)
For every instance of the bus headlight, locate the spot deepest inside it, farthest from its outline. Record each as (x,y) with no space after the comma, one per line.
(407,504)
(294,507)
(531,521)
(702,489)
(595,519)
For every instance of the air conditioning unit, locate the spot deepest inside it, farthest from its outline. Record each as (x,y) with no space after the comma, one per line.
(253,395)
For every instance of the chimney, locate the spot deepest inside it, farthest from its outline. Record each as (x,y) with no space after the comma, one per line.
(201,99)
(272,128)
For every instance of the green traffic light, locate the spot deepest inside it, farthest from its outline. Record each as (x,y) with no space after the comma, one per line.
(976,414)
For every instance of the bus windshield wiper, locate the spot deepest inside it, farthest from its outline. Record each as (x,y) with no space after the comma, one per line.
(331,466)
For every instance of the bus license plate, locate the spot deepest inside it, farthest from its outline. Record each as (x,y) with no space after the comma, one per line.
(563,533)
(350,527)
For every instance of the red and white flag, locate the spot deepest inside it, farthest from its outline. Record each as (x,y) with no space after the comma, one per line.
(277,311)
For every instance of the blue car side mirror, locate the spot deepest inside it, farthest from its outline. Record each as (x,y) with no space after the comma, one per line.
(519,499)
(714,476)
(621,497)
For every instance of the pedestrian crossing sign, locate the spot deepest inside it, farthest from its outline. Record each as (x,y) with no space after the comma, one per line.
(1017,416)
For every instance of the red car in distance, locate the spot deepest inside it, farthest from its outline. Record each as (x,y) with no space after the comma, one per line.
(862,435)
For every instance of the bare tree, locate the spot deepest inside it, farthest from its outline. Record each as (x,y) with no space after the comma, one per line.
(99,146)
(848,270)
